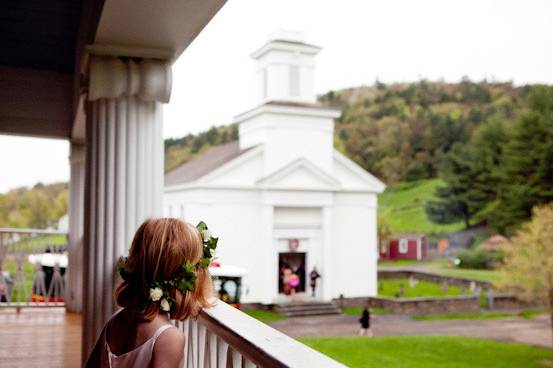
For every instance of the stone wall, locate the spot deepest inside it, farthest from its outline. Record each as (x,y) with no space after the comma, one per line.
(427,305)
(510,302)
(433,277)
(415,305)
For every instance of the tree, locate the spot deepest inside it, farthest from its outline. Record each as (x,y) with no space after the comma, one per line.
(527,163)
(470,172)
(455,200)
(528,267)
(384,235)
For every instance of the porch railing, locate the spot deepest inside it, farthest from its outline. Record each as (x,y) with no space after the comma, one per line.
(223,336)
(32,268)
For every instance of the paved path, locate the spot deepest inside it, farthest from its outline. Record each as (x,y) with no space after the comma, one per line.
(535,331)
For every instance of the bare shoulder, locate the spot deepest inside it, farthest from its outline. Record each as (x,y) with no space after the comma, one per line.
(168,349)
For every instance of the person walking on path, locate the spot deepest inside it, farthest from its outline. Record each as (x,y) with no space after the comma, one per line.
(365,321)
(314,275)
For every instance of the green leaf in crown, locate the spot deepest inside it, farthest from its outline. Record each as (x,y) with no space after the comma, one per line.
(210,244)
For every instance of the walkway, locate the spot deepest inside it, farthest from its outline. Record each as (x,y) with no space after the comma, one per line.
(535,331)
(39,338)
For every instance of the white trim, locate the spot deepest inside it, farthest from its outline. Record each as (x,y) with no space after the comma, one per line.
(333,184)
(287,110)
(274,45)
(419,249)
(371,180)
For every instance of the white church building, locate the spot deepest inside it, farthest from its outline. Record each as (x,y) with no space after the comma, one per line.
(281,194)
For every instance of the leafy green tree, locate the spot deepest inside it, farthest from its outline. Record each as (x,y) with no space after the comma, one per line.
(453,199)
(528,267)
(526,173)
(470,172)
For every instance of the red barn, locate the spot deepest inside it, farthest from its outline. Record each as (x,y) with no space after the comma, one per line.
(405,246)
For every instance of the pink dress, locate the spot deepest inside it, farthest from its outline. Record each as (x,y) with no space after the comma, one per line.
(139,357)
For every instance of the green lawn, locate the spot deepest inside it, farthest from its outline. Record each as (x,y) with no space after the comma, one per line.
(265,316)
(399,263)
(429,352)
(440,266)
(39,243)
(389,288)
(402,207)
(28,273)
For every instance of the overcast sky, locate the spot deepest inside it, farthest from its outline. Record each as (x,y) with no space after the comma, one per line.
(362,40)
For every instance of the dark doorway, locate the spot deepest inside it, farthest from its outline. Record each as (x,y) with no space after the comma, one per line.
(290,263)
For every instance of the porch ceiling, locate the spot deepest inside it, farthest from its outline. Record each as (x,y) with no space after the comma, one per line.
(41,46)
(39,34)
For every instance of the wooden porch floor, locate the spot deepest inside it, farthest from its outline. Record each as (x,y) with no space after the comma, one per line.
(40,338)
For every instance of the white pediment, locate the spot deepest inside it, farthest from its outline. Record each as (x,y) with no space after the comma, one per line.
(300,174)
(353,177)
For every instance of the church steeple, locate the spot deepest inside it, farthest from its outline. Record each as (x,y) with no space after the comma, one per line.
(286,68)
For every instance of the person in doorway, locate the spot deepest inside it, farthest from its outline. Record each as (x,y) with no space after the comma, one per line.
(293,282)
(286,274)
(365,321)
(300,271)
(313,276)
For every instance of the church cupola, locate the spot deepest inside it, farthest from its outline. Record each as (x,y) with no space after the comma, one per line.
(286,68)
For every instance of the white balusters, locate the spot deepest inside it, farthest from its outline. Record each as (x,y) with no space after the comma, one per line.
(202,345)
(222,352)
(212,350)
(236,359)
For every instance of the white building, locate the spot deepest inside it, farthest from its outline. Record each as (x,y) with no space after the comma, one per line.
(282,193)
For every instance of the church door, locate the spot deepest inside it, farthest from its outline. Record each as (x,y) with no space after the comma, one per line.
(291,263)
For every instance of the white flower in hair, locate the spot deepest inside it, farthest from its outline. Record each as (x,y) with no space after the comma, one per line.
(156,294)
(206,234)
(165,306)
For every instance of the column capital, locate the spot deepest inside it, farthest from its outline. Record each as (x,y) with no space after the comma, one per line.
(113,77)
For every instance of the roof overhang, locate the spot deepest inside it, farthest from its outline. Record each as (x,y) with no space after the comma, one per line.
(288,109)
(44,60)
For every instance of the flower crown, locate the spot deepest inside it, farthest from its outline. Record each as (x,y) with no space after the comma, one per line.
(186,277)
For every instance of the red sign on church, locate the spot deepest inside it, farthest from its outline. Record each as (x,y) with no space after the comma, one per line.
(293,244)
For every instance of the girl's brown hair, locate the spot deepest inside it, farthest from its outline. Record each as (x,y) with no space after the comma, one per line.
(159,248)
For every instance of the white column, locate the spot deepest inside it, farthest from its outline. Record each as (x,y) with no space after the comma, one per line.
(124,172)
(269,257)
(75,239)
(327,254)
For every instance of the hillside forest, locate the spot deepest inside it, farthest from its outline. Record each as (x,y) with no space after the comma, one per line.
(476,153)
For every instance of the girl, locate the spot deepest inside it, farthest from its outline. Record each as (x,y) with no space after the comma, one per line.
(165,277)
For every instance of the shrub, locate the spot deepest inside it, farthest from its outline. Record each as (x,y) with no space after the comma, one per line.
(480,259)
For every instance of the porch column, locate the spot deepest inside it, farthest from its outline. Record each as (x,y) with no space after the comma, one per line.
(75,239)
(124,180)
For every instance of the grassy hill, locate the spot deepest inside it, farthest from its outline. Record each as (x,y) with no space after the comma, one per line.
(402,207)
